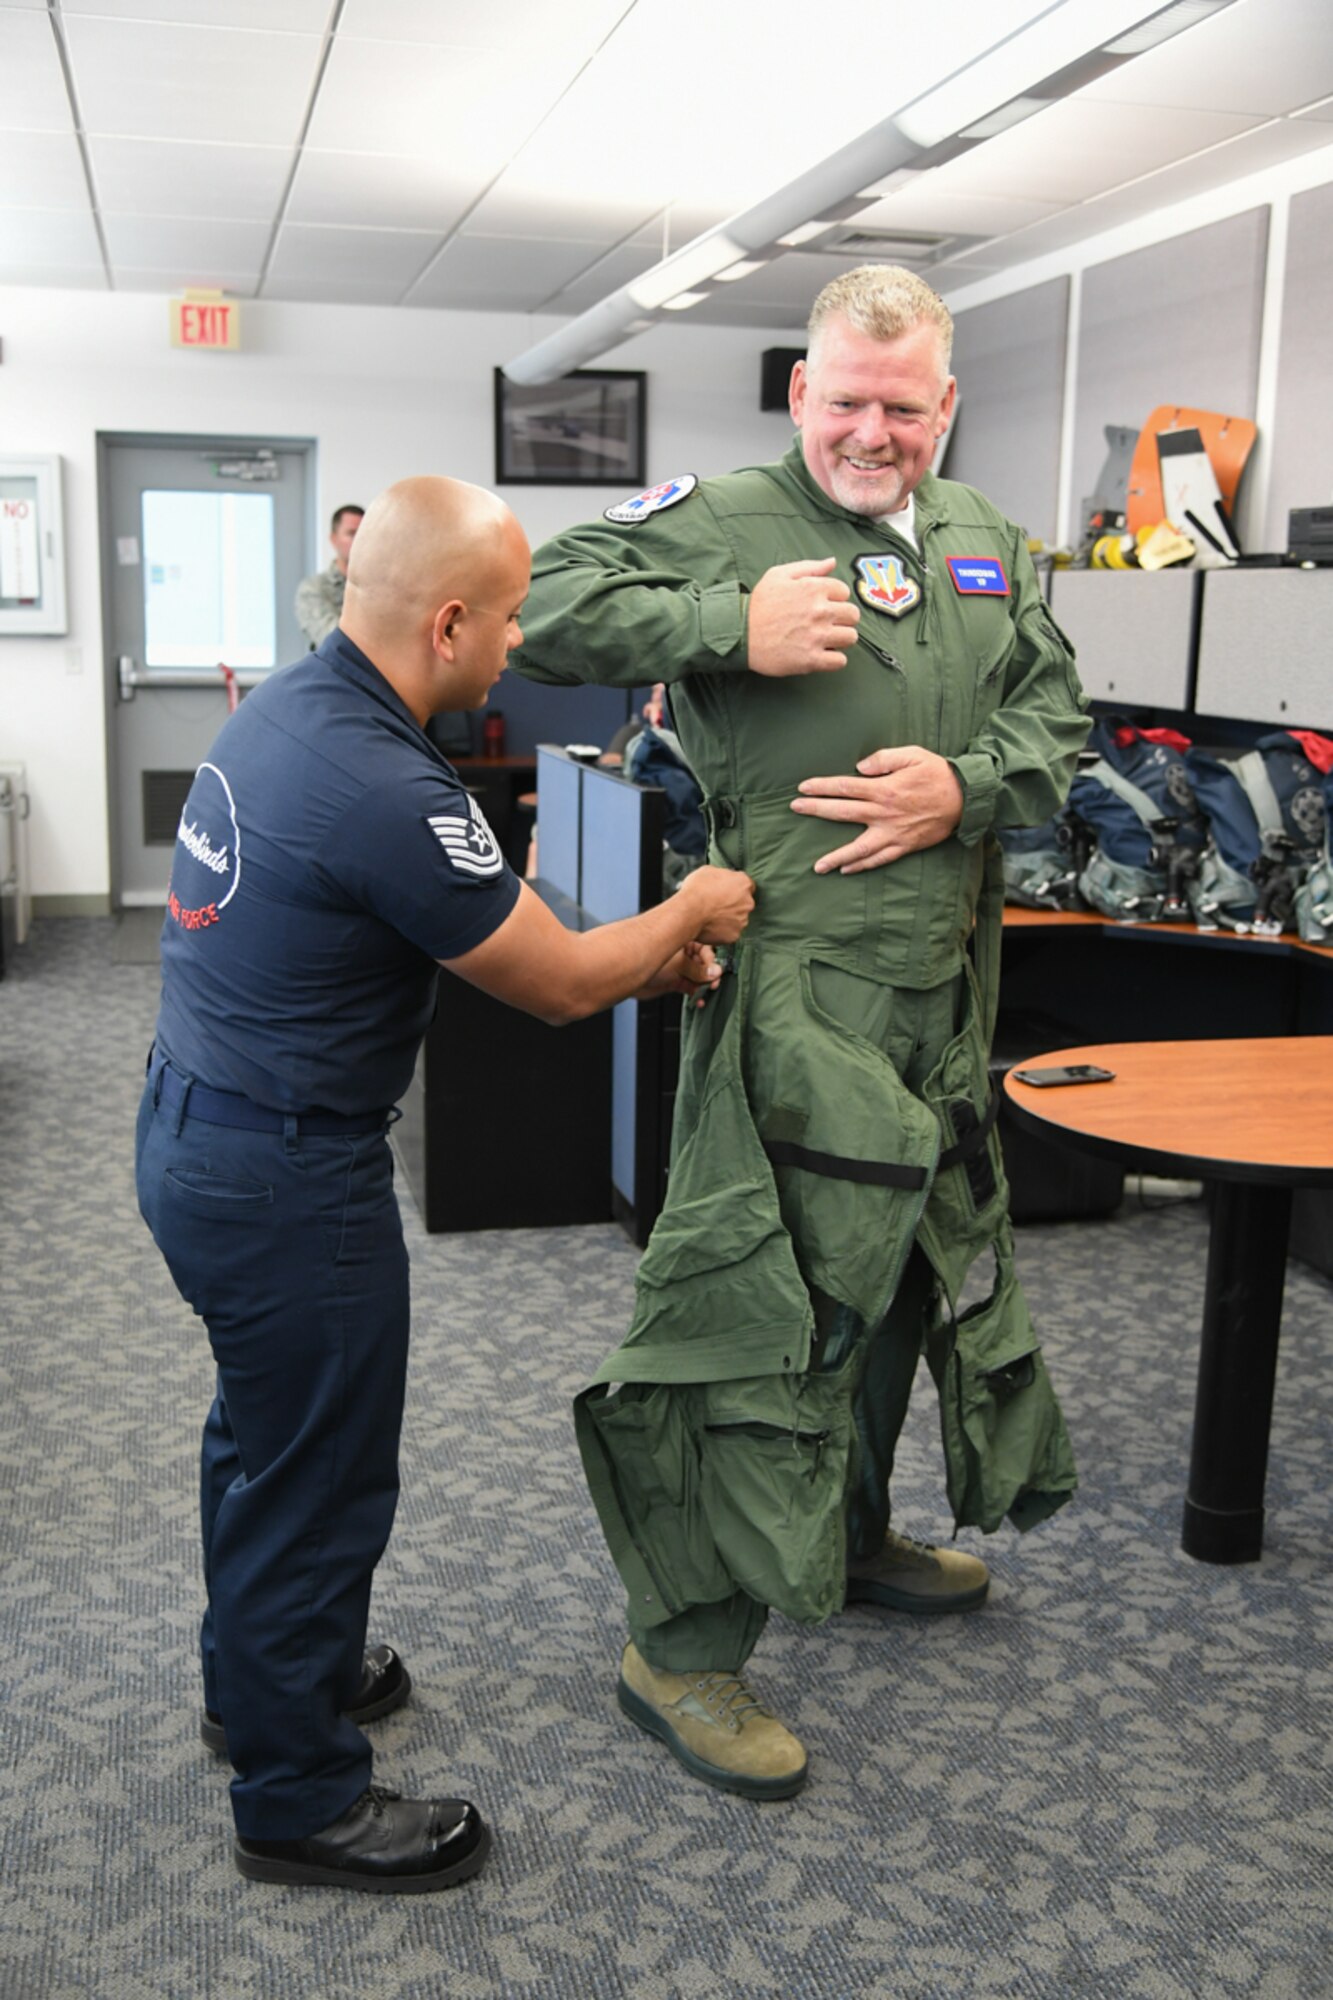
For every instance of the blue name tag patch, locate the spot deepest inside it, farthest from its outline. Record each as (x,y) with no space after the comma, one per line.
(978,576)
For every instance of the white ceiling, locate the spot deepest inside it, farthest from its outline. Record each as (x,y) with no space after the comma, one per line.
(534,155)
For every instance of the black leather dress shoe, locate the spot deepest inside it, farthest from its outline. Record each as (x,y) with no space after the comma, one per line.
(383,1842)
(385,1685)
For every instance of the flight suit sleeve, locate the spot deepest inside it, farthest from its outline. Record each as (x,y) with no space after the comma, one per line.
(1017,769)
(623,606)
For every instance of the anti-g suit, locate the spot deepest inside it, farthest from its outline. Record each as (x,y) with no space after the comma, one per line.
(833,1149)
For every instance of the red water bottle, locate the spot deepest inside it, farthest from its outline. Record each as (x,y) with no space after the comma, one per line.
(493,734)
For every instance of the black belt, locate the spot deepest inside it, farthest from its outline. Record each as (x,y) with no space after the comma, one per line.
(226,1107)
(883,1173)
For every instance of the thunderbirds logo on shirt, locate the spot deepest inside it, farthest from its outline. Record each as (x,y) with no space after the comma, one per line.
(883,584)
(206,867)
(653,501)
(467,840)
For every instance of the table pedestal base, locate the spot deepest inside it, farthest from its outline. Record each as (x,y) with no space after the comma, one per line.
(1242,1315)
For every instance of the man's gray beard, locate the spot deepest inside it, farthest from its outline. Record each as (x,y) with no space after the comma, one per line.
(857,502)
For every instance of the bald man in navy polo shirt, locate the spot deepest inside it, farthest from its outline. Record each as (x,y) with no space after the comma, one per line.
(328,862)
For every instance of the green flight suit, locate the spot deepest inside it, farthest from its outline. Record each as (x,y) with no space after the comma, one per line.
(833,1149)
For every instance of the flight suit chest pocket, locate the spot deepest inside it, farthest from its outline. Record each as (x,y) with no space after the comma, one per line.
(991,645)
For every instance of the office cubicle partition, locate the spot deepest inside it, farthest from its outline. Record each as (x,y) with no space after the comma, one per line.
(560,820)
(599,844)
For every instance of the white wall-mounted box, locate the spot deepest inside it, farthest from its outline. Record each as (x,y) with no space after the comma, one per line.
(32,546)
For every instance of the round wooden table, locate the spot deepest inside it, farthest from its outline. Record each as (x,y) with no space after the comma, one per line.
(1254,1117)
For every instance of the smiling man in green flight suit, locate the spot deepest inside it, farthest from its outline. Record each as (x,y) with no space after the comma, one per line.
(851,646)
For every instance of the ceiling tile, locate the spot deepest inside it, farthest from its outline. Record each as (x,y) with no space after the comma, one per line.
(1082,148)
(792,281)
(186,247)
(509,211)
(576,25)
(33,97)
(464,108)
(1285,139)
(306,17)
(141,79)
(379,191)
(49,237)
(168,176)
(350,290)
(43,167)
(521,274)
(366,257)
(922,206)
(608,274)
(236,284)
(1262,56)
(1249,153)
(71,277)
(973,264)
(1321,110)
(720,310)
(684,221)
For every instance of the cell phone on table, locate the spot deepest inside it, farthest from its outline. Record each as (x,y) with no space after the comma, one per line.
(1065,1073)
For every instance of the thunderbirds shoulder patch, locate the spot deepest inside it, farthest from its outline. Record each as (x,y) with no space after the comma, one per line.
(668,494)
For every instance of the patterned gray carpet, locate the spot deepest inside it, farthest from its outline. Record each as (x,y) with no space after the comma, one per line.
(1113,1782)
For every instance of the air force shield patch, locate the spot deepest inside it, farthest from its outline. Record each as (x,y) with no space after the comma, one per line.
(668,494)
(883,584)
(467,840)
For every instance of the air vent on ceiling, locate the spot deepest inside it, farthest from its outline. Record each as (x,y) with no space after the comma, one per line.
(888,246)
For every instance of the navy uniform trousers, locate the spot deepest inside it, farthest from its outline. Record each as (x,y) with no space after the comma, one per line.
(289,1245)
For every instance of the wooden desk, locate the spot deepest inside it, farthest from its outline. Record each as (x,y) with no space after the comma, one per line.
(1255,1117)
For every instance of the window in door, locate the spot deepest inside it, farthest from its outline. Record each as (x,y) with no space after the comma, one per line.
(208,580)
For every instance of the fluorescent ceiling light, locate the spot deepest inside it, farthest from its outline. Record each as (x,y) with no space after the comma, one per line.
(745,269)
(1053,54)
(1010,114)
(891,183)
(805,234)
(1049,44)
(1182,14)
(703,258)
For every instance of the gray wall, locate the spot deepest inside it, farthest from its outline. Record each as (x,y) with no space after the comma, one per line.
(1009,358)
(1302,442)
(1176,322)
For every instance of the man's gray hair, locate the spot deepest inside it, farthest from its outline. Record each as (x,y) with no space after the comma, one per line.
(883,300)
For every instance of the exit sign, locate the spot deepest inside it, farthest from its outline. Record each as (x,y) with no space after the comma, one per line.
(205,319)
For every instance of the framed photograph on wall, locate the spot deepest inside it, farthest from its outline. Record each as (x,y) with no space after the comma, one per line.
(588,429)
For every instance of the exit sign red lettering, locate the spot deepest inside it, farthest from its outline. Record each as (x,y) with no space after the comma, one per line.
(205,319)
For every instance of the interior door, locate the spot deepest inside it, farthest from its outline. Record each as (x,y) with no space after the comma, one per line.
(204,541)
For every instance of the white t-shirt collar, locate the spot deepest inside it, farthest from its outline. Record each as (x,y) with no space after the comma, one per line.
(904,521)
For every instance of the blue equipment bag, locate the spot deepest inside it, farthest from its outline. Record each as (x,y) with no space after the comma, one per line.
(1138,798)
(1267,831)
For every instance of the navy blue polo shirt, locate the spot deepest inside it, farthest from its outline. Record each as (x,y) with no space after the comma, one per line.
(326,857)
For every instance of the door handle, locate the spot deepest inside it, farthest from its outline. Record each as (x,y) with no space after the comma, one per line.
(129,676)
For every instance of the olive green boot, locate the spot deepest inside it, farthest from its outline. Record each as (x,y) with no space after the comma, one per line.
(715,1727)
(907,1575)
